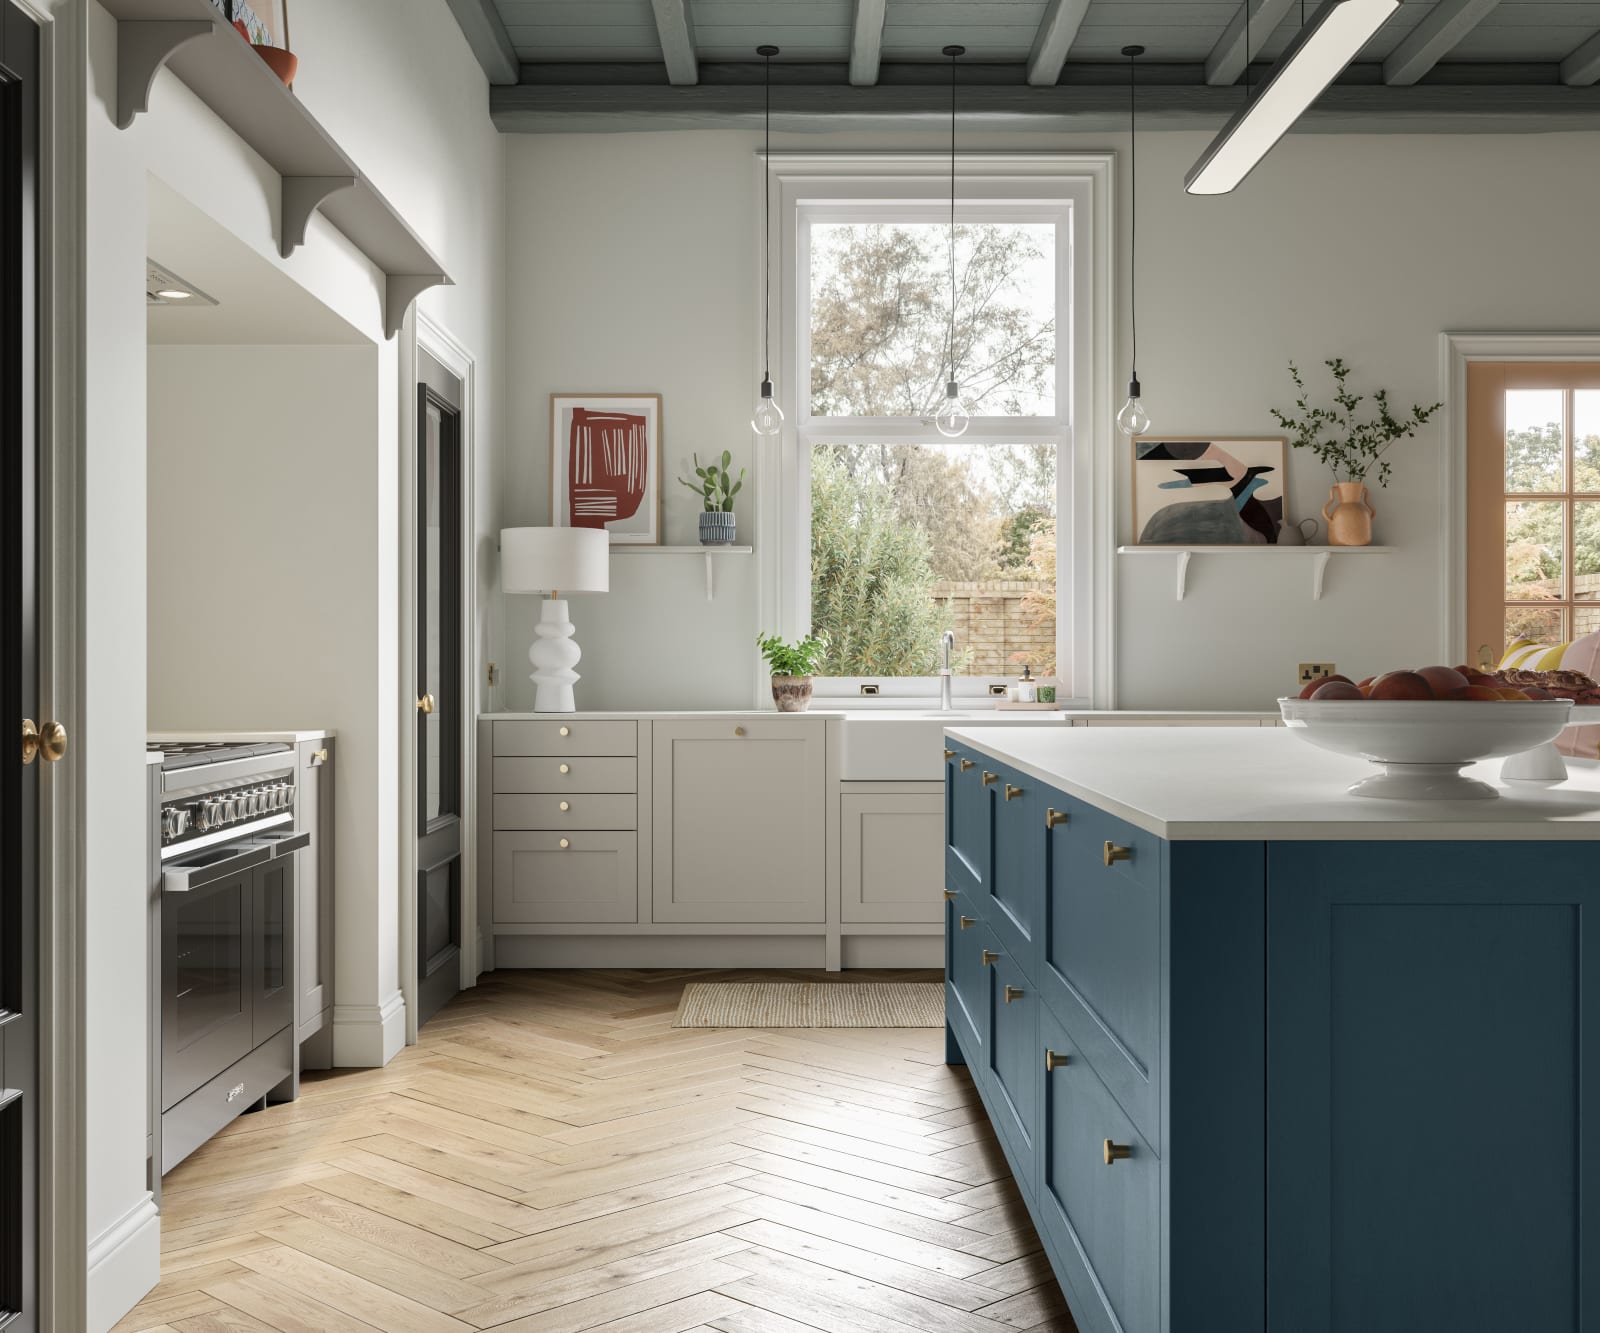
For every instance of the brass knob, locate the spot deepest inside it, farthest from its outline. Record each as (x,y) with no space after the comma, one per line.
(990,958)
(949,754)
(1053,818)
(738,731)
(566,731)
(1117,1152)
(30,740)
(565,805)
(1014,993)
(565,843)
(966,764)
(1053,1062)
(319,757)
(1012,792)
(1115,853)
(567,768)
(968,921)
(426,703)
(949,894)
(52,742)
(990,778)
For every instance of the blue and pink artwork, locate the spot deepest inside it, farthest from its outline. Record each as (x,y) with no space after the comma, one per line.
(1219,492)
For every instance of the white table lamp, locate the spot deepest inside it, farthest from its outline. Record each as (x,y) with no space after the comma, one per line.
(554,560)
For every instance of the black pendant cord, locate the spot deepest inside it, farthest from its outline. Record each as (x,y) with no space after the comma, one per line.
(1133,53)
(766,53)
(950,332)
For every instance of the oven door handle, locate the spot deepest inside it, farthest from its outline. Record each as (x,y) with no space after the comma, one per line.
(178,878)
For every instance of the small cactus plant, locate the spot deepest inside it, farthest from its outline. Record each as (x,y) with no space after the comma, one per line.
(714,485)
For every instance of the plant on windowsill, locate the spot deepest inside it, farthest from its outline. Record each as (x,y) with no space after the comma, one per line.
(1353,450)
(716,490)
(793,665)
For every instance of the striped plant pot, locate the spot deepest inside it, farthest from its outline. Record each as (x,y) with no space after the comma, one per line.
(792,694)
(716,529)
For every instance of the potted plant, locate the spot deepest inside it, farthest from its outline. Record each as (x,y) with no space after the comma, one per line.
(793,665)
(1353,450)
(716,489)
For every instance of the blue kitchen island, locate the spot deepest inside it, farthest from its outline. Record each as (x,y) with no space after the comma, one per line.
(1266,1056)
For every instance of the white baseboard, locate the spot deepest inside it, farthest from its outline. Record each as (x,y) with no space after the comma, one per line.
(368,1036)
(645,951)
(124,1264)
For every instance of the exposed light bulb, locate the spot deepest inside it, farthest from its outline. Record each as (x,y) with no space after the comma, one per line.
(953,417)
(768,418)
(1133,419)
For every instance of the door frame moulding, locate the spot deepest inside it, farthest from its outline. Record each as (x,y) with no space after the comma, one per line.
(1456,352)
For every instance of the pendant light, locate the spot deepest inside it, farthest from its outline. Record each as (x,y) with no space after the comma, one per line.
(953,417)
(1133,419)
(768,418)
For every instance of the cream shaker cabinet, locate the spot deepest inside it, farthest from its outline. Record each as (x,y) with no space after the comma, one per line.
(891,853)
(740,824)
(314,888)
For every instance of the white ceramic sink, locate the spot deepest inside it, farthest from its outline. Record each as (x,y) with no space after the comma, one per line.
(909,746)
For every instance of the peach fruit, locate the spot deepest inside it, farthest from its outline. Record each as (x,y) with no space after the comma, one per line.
(1332,690)
(1442,680)
(1401,685)
(1476,694)
(1311,687)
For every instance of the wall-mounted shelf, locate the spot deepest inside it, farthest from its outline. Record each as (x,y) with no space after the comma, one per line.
(711,553)
(1318,556)
(223,71)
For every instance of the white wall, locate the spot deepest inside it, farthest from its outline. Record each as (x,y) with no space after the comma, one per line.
(1361,247)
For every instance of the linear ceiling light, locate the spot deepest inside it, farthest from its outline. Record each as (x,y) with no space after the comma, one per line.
(1314,60)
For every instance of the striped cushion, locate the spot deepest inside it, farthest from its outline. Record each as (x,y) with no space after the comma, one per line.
(1582,742)
(1527,655)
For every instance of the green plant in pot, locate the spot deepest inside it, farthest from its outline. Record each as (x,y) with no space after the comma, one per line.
(792,665)
(716,489)
(1355,451)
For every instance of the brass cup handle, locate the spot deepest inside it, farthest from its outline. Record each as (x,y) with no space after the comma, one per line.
(1053,1062)
(1115,853)
(48,742)
(966,764)
(1054,818)
(1117,1152)
(989,779)
(949,894)
(427,703)
(989,957)
(949,754)
(967,922)
(1012,792)
(1014,993)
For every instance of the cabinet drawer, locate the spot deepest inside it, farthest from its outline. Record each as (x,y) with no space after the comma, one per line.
(966,977)
(559,878)
(566,775)
(561,739)
(968,823)
(1106,1217)
(890,857)
(1013,907)
(576,811)
(1014,1061)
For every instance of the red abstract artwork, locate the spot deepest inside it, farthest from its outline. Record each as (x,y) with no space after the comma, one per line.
(608,464)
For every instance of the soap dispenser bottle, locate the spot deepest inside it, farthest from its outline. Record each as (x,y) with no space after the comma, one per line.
(1027,687)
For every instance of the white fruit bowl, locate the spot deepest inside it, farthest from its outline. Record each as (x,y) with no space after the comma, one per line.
(1422,746)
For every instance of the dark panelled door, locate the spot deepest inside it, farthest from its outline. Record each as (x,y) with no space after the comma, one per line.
(19,556)
(439,707)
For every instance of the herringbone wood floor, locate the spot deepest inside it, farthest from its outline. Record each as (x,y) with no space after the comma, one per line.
(554,1156)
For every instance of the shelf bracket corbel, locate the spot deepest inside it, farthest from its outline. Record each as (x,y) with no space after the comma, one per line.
(400,291)
(1183,572)
(303,196)
(1319,569)
(143,47)
(711,578)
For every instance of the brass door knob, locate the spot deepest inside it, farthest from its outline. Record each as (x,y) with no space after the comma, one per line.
(967,922)
(52,742)
(1014,993)
(566,731)
(990,778)
(1053,1062)
(949,894)
(990,958)
(1115,853)
(949,754)
(30,740)
(565,844)
(966,764)
(1117,1152)
(1054,818)
(1012,792)
(426,704)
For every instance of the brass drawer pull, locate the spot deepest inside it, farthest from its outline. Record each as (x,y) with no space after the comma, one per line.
(989,957)
(1115,853)
(566,805)
(565,844)
(968,921)
(1053,1062)
(1117,1152)
(1014,993)
(319,757)
(566,731)
(990,778)
(1012,792)
(949,894)
(949,754)
(966,764)
(738,731)
(567,768)
(1054,818)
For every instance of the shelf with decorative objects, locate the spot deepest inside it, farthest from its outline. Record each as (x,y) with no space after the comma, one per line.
(1318,555)
(710,552)
(191,38)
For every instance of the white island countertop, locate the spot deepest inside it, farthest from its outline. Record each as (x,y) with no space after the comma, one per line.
(239,737)
(1266,784)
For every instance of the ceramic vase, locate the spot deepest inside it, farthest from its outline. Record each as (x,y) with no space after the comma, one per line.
(716,528)
(1349,513)
(792,694)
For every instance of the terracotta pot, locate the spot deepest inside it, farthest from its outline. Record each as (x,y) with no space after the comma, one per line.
(792,694)
(1349,513)
(282,63)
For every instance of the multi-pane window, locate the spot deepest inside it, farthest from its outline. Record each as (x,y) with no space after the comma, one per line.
(1533,500)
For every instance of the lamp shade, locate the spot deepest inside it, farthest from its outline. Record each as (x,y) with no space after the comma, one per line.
(555,559)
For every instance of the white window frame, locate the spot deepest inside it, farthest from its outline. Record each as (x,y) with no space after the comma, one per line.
(1074,191)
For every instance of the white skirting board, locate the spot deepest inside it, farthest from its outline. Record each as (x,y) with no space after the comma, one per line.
(713,951)
(124,1264)
(368,1036)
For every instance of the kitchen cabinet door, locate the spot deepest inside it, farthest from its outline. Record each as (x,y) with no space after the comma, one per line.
(891,857)
(314,889)
(740,831)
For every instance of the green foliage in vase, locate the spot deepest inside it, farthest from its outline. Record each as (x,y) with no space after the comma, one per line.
(713,484)
(1354,450)
(801,658)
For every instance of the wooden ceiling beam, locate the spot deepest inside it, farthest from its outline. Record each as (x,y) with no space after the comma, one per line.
(675,28)
(866,42)
(1057,32)
(1582,67)
(1434,38)
(481,25)
(1228,58)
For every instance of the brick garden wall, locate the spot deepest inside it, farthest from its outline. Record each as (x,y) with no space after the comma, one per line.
(990,620)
